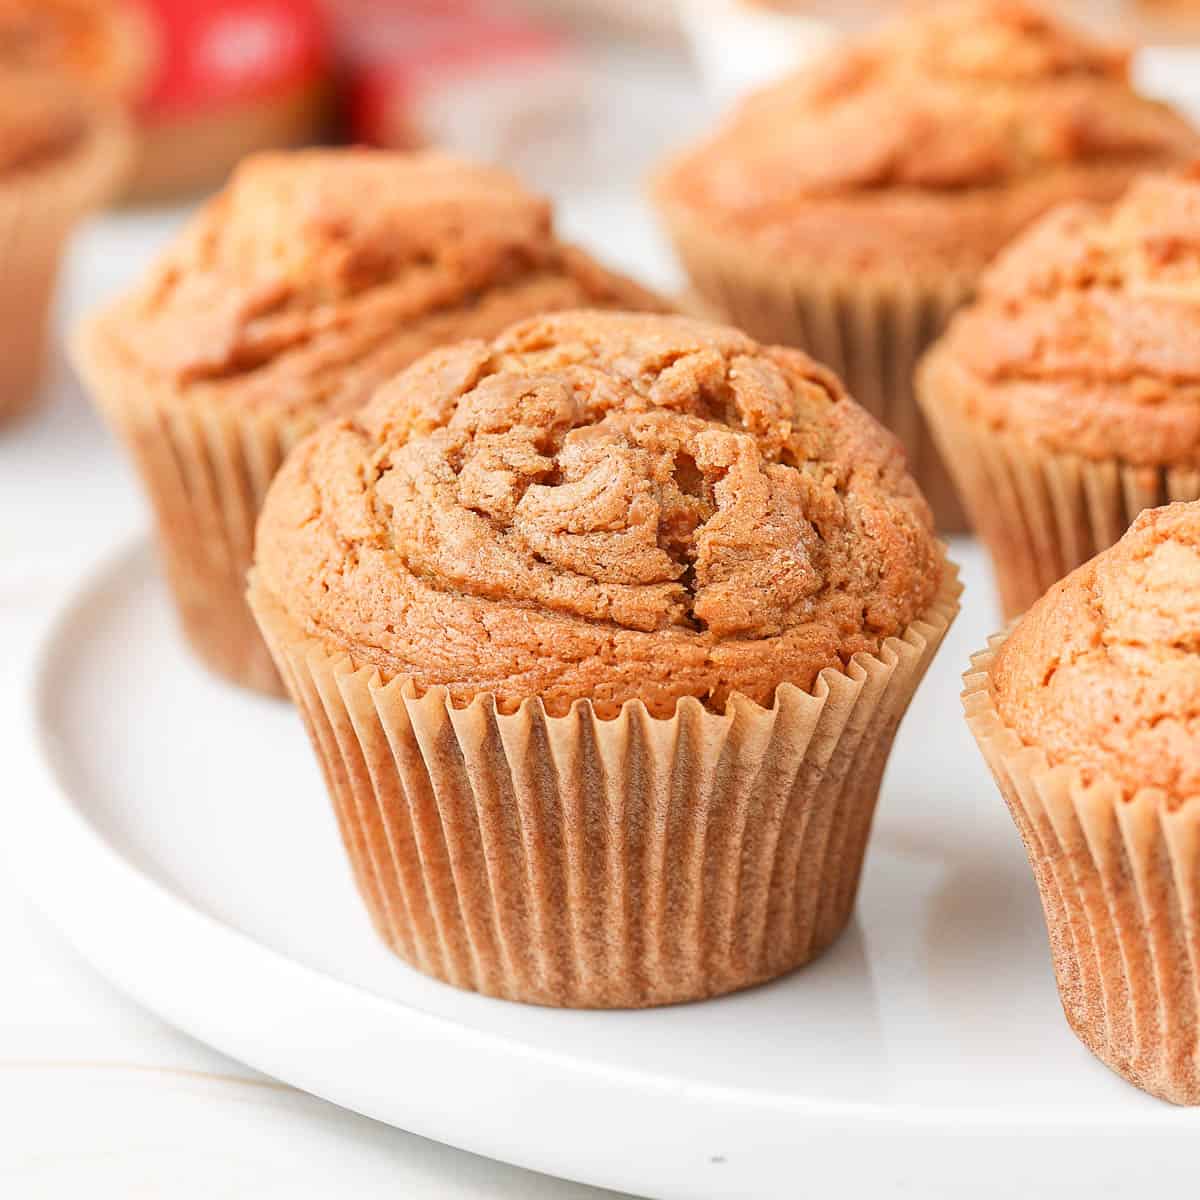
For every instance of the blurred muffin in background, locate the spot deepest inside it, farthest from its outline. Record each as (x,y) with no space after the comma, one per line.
(208,82)
(741,44)
(291,295)
(1166,21)
(1066,398)
(850,208)
(62,154)
(106,47)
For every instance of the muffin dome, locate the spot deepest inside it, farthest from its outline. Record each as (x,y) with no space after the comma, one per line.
(602,505)
(103,46)
(932,141)
(316,274)
(1086,334)
(1104,672)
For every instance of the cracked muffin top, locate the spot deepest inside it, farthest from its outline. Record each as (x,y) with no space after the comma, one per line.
(1086,333)
(602,505)
(1103,673)
(103,46)
(317,274)
(937,137)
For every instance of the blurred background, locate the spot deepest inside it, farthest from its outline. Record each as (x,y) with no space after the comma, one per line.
(570,93)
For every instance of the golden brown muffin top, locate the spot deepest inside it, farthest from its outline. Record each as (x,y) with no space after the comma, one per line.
(1103,673)
(938,134)
(39,123)
(1086,333)
(103,46)
(602,505)
(316,274)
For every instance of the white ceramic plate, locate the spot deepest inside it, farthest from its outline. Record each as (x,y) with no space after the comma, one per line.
(179,834)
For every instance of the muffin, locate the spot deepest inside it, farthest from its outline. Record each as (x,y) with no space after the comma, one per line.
(61,155)
(851,207)
(1088,714)
(1165,22)
(602,633)
(103,47)
(309,280)
(1067,398)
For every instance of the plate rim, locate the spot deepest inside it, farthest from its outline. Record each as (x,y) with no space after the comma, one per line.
(138,910)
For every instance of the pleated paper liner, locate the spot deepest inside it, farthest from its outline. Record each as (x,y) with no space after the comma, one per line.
(1043,514)
(1120,886)
(206,473)
(38,210)
(579,862)
(870,329)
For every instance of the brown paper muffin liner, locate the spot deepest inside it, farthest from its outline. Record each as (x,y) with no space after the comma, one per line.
(38,210)
(587,863)
(206,473)
(1043,514)
(869,329)
(1120,885)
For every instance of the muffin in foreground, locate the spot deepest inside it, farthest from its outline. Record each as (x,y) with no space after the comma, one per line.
(1067,397)
(602,633)
(313,277)
(61,156)
(850,209)
(1088,714)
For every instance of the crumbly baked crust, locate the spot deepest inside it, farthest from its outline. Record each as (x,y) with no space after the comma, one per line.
(317,274)
(1103,673)
(602,505)
(1085,337)
(934,140)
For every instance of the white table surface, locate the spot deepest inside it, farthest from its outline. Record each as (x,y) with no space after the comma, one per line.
(95,1093)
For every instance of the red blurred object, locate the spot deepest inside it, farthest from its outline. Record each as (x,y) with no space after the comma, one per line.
(232,77)
(220,52)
